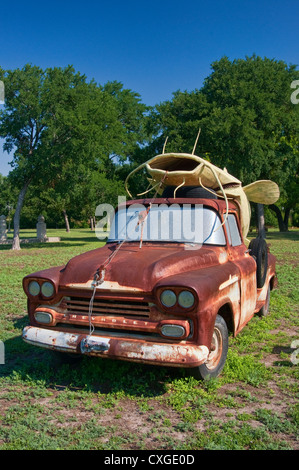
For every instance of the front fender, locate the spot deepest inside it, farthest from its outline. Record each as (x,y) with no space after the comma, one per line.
(215,286)
(53,274)
(209,283)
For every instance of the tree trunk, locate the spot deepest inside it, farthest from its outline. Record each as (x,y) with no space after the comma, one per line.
(16,234)
(260,220)
(66,219)
(286,217)
(91,223)
(283,224)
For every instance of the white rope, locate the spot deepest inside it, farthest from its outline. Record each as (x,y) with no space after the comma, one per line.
(91,326)
(178,187)
(221,187)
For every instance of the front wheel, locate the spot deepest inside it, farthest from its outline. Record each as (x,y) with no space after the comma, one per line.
(218,353)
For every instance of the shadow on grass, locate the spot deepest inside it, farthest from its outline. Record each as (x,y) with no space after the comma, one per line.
(292,235)
(287,350)
(33,366)
(62,244)
(75,238)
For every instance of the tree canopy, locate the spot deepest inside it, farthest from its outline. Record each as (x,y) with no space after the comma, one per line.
(73,142)
(249,124)
(54,122)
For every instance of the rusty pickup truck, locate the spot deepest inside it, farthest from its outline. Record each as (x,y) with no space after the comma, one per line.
(173,280)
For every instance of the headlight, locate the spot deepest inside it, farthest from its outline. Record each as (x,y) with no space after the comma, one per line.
(168,298)
(43,317)
(34,288)
(186,299)
(175,331)
(47,289)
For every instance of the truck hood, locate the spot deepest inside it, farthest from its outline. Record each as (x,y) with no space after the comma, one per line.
(137,268)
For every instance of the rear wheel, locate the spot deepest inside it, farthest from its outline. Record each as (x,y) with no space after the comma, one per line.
(258,249)
(218,353)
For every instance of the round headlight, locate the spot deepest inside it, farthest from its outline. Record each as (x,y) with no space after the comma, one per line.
(47,289)
(34,288)
(168,298)
(186,299)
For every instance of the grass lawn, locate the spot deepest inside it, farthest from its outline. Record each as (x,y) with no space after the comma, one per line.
(110,405)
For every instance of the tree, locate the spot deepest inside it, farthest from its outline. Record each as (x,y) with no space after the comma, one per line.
(39,122)
(249,124)
(8,198)
(54,120)
(255,124)
(132,132)
(115,125)
(286,170)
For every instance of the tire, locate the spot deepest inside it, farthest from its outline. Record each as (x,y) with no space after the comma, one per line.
(259,250)
(216,360)
(189,191)
(265,308)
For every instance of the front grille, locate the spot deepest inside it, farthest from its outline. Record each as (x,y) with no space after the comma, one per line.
(80,306)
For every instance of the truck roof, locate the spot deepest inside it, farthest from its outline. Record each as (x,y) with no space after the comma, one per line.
(216,204)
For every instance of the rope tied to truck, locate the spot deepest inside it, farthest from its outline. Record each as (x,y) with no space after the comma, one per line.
(99,276)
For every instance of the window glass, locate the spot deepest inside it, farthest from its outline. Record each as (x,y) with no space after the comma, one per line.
(233,233)
(174,223)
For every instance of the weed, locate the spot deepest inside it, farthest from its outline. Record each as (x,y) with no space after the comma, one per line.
(245,368)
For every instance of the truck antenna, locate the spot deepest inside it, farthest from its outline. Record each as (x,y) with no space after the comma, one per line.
(196,141)
(164,145)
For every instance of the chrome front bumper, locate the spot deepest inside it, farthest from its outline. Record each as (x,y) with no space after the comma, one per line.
(167,354)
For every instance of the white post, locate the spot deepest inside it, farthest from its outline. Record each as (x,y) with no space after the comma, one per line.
(41,229)
(2,353)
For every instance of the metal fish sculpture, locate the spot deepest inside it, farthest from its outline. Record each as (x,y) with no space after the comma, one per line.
(183,169)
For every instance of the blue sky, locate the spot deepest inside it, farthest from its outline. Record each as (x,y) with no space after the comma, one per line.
(152,47)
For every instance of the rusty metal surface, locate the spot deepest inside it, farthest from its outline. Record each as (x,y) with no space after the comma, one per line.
(127,312)
(175,355)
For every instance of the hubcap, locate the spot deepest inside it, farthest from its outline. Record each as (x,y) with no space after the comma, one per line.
(216,350)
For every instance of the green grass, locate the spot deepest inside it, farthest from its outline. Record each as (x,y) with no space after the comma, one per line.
(109,405)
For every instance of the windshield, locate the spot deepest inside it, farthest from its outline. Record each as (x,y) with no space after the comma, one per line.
(167,223)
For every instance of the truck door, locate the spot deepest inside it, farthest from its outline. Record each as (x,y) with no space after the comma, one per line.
(247,266)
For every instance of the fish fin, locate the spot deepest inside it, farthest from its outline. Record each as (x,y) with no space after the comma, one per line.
(262,192)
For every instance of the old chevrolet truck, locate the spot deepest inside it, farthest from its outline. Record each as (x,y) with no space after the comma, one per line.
(167,295)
